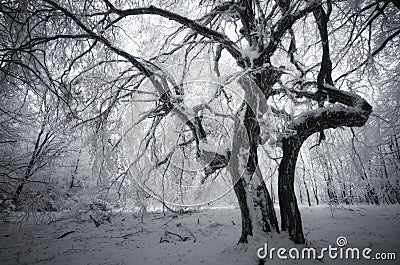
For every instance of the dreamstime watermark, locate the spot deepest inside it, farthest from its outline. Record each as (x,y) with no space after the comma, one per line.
(338,251)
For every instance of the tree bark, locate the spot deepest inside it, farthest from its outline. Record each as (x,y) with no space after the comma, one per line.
(290,214)
(241,195)
(257,211)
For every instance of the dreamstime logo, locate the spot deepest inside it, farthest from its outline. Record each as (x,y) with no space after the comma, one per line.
(340,251)
(162,138)
(341,241)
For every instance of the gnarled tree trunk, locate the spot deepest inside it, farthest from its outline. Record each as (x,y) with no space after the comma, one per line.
(256,206)
(354,113)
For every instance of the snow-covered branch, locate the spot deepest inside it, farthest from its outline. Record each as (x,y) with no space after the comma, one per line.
(353,111)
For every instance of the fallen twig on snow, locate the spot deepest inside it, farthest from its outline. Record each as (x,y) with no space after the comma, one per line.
(181,238)
(65,234)
(97,224)
(194,238)
(131,234)
(163,240)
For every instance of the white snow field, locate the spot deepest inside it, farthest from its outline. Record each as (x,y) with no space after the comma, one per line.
(204,237)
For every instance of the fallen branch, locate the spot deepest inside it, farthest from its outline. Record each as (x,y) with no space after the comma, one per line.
(97,224)
(163,240)
(65,234)
(181,238)
(194,238)
(130,234)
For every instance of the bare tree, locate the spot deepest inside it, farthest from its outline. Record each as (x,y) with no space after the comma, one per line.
(278,79)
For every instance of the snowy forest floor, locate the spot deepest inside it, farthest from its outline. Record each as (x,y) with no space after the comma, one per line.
(204,237)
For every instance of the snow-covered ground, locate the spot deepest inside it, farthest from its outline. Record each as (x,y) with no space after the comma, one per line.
(205,237)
